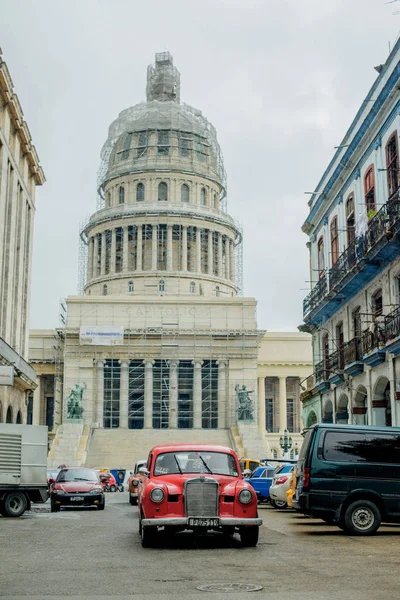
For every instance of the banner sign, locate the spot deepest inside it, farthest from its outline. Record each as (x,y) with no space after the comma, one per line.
(98,335)
(7,376)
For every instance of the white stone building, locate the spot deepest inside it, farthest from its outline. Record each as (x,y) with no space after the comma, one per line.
(20,173)
(353,227)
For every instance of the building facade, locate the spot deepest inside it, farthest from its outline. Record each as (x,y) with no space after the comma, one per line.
(20,173)
(353,309)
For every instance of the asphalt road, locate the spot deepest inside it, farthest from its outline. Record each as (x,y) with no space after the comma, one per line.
(83,553)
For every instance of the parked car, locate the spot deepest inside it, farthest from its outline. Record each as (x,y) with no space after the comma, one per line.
(76,486)
(196,487)
(107,481)
(350,475)
(135,480)
(250,464)
(280,485)
(261,481)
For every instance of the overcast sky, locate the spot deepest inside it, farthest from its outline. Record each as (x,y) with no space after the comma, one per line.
(280,80)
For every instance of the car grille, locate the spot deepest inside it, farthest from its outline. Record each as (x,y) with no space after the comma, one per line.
(201,498)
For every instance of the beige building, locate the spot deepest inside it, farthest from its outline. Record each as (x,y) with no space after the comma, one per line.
(161,345)
(20,173)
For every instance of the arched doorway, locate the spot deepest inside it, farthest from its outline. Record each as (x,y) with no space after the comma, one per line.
(312,419)
(342,412)
(381,407)
(359,409)
(19,418)
(327,414)
(9,416)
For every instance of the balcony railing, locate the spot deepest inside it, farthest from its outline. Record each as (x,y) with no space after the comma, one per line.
(372,340)
(392,325)
(322,370)
(336,360)
(359,248)
(352,351)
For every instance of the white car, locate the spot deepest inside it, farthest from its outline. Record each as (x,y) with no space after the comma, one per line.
(280,485)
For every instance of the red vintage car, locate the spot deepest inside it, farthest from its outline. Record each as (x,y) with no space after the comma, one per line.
(196,487)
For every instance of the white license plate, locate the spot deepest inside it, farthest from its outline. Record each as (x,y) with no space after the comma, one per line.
(202,522)
(77,499)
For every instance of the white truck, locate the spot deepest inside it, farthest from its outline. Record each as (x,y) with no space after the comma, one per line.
(23,467)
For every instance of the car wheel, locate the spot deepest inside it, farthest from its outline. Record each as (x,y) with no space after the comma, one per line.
(15,504)
(272,503)
(362,517)
(113,488)
(102,505)
(280,504)
(54,507)
(147,535)
(249,536)
(132,500)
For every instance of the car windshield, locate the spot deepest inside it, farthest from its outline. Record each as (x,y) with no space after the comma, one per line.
(77,475)
(218,463)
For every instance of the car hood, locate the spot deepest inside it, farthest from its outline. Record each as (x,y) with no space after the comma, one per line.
(77,486)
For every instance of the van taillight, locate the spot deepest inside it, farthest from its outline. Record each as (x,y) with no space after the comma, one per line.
(306,478)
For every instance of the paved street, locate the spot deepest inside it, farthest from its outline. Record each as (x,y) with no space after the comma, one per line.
(89,554)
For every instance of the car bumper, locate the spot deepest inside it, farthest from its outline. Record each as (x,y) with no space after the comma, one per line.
(78,499)
(183,522)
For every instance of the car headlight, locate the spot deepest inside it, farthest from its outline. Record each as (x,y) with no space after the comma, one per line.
(157,495)
(135,482)
(245,496)
(96,490)
(60,492)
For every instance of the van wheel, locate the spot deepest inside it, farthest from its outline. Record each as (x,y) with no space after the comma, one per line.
(362,517)
(15,504)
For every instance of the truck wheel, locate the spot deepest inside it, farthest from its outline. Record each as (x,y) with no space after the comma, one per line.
(132,500)
(249,536)
(362,517)
(15,504)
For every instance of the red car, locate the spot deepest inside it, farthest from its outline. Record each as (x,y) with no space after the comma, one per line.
(76,486)
(196,487)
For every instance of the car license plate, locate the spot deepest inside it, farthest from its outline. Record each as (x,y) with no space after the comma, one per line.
(202,522)
(77,499)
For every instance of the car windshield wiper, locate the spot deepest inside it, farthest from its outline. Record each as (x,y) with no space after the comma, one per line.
(205,464)
(177,462)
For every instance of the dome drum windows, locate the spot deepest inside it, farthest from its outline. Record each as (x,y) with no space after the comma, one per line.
(185,193)
(163,142)
(127,146)
(140,192)
(203,196)
(131,287)
(161,286)
(162,192)
(185,143)
(121,194)
(192,287)
(142,144)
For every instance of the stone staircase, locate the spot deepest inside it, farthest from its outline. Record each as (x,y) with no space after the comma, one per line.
(121,448)
(249,441)
(69,446)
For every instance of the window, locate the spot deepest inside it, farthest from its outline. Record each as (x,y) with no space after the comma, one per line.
(185,193)
(392,164)
(130,286)
(274,453)
(140,192)
(377,303)
(340,345)
(215,201)
(163,142)
(184,143)
(200,149)
(325,355)
(162,192)
(192,287)
(142,144)
(161,285)
(217,291)
(341,446)
(127,146)
(104,290)
(321,258)
(369,190)
(108,199)
(350,219)
(203,196)
(334,241)
(121,194)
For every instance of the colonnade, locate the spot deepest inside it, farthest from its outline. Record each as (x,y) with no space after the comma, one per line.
(283,420)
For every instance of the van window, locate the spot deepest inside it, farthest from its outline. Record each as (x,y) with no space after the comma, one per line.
(305,444)
(340,446)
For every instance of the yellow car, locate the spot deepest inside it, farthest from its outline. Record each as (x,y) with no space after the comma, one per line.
(291,490)
(250,464)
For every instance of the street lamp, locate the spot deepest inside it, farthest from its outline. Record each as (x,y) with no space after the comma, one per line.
(285,442)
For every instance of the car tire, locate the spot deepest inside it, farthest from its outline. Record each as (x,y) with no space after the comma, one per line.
(362,517)
(272,503)
(113,488)
(147,535)
(132,500)
(15,504)
(102,505)
(54,507)
(280,504)
(249,536)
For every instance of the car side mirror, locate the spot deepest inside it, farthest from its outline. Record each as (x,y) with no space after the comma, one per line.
(144,471)
(51,481)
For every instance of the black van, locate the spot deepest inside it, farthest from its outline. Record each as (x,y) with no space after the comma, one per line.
(350,475)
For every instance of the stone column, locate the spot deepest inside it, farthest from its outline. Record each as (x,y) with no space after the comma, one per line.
(232,260)
(90,258)
(261,405)
(220,265)
(124,395)
(154,240)
(210,261)
(125,252)
(57,400)
(139,248)
(223,414)
(96,256)
(198,250)
(227,258)
(37,396)
(184,248)
(282,404)
(173,394)
(197,394)
(103,254)
(169,247)
(148,394)
(100,392)
(113,250)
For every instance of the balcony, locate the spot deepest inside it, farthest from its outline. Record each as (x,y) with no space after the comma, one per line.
(392,331)
(309,385)
(357,265)
(336,365)
(322,372)
(353,364)
(373,346)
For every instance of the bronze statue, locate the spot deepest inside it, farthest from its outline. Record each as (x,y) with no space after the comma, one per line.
(74,402)
(245,409)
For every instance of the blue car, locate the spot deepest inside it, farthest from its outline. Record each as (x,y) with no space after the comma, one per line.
(261,481)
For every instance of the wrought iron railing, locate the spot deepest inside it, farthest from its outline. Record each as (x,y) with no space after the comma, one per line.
(316,295)
(352,351)
(344,264)
(372,340)
(336,360)
(392,324)
(322,370)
